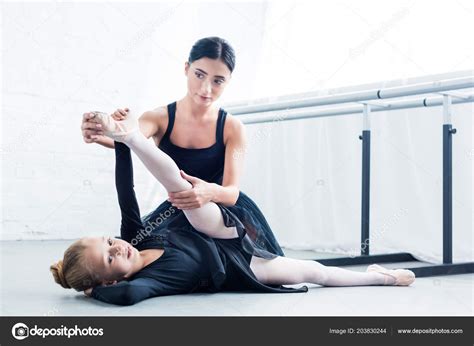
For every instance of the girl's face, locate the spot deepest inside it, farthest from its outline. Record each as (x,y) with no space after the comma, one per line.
(112,259)
(207,79)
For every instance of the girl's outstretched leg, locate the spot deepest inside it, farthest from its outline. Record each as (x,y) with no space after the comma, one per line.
(288,271)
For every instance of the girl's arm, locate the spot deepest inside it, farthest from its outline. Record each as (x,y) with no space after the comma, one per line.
(128,292)
(131,222)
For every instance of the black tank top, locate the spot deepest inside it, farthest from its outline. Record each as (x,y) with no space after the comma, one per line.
(204,163)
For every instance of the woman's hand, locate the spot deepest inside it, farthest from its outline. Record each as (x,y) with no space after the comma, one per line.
(93,132)
(88,291)
(120,114)
(201,193)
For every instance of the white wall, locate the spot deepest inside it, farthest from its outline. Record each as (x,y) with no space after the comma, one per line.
(62,59)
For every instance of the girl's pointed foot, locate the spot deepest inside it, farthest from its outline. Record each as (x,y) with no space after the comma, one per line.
(403,277)
(117,130)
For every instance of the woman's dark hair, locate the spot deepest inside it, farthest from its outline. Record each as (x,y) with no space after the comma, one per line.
(213,48)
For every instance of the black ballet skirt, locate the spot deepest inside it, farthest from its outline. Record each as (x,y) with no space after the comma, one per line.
(192,261)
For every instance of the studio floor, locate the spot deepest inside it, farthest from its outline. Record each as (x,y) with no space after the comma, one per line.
(28,289)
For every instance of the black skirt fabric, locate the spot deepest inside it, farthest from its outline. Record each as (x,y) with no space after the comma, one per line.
(227,260)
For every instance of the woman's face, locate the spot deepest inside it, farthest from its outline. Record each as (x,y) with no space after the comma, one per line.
(112,259)
(207,79)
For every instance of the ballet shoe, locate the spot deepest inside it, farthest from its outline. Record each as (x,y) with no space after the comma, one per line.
(403,277)
(117,130)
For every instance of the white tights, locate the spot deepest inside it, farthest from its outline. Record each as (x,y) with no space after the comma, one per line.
(288,271)
(208,219)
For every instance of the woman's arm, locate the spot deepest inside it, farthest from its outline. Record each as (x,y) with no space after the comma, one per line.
(226,194)
(105,142)
(236,144)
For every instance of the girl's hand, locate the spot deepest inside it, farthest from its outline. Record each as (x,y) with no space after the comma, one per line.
(201,193)
(88,291)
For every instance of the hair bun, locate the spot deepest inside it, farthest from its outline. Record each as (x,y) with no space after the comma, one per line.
(57,271)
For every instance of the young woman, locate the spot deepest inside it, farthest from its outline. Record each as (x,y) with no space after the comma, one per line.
(206,248)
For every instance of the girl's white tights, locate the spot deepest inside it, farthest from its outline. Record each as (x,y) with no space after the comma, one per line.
(206,219)
(288,271)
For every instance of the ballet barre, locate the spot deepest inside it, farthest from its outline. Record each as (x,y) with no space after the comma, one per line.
(367,102)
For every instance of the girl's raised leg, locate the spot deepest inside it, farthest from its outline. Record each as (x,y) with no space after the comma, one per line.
(206,219)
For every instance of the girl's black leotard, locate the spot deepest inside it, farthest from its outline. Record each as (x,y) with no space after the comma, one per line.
(192,261)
